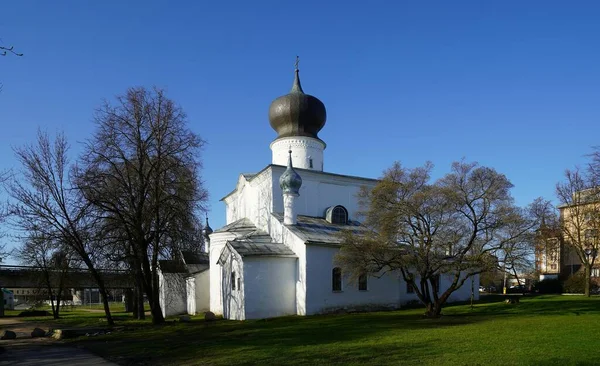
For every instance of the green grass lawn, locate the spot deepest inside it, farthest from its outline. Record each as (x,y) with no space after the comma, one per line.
(81,316)
(545,330)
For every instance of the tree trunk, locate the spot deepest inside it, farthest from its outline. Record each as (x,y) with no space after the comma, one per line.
(102,290)
(140,314)
(433,310)
(150,280)
(587,275)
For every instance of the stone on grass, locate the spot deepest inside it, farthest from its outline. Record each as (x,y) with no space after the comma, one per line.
(185,319)
(209,316)
(9,334)
(37,332)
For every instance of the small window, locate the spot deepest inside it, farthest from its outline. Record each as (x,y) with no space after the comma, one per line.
(239,283)
(409,288)
(233,280)
(362,282)
(337,215)
(553,266)
(336,279)
(310,163)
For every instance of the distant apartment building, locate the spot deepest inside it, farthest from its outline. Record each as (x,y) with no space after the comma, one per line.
(560,247)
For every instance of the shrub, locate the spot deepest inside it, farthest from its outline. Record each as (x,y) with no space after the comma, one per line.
(549,286)
(576,283)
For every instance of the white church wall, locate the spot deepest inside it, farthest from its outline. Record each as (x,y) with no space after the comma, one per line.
(217,242)
(232,286)
(253,200)
(321,191)
(269,286)
(172,293)
(381,292)
(462,294)
(281,234)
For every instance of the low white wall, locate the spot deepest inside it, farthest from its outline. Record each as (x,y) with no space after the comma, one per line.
(190,290)
(202,291)
(270,286)
(173,299)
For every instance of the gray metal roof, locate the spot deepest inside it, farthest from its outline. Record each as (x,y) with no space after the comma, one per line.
(190,257)
(251,241)
(260,245)
(317,230)
(171,266)
(242,226)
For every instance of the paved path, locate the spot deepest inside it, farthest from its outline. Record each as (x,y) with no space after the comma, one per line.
(27,351)
(49,355)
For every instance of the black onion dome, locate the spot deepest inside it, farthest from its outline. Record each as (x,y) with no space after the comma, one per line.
(290,181)
(296,113)
(207,230)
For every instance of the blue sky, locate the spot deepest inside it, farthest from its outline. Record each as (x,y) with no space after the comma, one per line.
(512,85)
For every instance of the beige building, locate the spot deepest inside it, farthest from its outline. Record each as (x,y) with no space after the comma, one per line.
(562,250)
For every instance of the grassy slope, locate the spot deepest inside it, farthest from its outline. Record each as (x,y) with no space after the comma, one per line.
(540,331)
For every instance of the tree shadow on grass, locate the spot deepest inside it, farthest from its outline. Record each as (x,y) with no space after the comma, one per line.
(532,306)
(320,339)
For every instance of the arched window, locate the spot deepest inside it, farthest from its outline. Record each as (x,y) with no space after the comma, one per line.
(336,279)
(337,215)
(362,282)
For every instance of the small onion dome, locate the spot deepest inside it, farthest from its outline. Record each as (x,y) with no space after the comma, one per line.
(207,230)
(290,181)
(296,113)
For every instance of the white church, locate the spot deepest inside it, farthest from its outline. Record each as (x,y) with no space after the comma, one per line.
(276,254)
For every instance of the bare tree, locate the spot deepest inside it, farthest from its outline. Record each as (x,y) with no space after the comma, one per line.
(141,171)
(454,226)
(52,261)
(579,221)
(8,50)
(46,203)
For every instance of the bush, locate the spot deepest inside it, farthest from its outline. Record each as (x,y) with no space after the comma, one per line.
(548,286)
(576,284)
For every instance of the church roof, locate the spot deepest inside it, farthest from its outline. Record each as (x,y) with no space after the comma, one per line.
(317,230)
(251,241)
(171,266)
(260,245)
(190,257)
(242,226)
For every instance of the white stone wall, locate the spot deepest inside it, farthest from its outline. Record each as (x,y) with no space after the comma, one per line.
(190,284)
(231,288)
(462,294)
(252,200)
(282,234)
(304,150)
(320,191)
(270,286)
(381,292)
(217,242)
(256,199)
(172,290)
(202,292)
